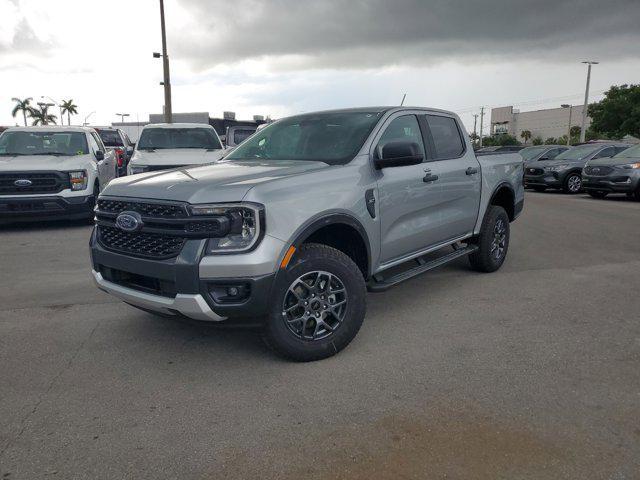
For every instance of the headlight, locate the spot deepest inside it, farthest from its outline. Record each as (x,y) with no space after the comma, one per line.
(556,168)
(246,226)
(78,180)
(138,169)
(630,166)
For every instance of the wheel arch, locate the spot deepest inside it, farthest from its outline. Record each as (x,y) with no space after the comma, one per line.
(341,231)
(504,196)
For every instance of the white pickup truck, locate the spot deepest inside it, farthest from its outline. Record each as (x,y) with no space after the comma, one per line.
(52,172)
(163,146)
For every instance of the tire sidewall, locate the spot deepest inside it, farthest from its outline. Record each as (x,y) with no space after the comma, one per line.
(498,213)
(278,332)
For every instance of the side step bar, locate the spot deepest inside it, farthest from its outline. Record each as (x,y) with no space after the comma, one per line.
(379,284)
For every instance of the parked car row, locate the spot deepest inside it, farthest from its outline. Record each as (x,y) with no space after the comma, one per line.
(593,167)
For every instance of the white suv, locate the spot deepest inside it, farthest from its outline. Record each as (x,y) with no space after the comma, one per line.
(163,146)
(52,172)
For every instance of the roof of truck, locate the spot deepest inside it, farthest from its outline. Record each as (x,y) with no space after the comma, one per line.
(177,125)
(50,128)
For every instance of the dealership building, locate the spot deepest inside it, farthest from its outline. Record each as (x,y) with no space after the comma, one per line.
(552,122)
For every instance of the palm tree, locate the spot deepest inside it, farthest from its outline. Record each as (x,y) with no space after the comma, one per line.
(69,108)
(526,134)
(23,106)
(42,116)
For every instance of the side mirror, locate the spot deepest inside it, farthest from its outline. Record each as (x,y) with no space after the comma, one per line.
(99,155)
(398,154)
(546,157)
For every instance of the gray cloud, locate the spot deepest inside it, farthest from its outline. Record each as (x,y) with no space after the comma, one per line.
(365,33)
(26,41)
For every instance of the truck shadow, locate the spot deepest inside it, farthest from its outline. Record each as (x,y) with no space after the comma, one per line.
(44,225)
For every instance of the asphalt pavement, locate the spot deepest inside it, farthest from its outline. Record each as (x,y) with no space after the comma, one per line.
(532,372)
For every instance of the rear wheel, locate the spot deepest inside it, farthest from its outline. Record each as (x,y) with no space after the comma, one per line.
(493,241)
(318,305)
(539,189)
(573,184)
(596,194)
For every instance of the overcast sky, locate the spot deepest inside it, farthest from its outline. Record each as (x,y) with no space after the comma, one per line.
(277,57)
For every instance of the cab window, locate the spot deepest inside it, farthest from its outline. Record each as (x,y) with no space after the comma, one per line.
(403,128)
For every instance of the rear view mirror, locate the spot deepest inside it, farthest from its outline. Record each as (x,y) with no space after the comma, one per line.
(398,154)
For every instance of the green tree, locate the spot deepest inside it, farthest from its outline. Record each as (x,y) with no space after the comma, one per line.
(41,115)
(526,135)
(537,141)
(69,108)
(551,141)
(23,106)
(618,113)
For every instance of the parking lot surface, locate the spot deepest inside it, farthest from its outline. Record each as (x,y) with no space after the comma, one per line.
(529,372)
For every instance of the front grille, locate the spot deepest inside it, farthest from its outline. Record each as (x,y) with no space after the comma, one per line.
(158,210)
(140,244)
(41,183)
(598,171)
(535,171)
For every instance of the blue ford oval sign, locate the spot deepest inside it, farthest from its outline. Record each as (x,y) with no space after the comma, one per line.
(129,221)
(23,182)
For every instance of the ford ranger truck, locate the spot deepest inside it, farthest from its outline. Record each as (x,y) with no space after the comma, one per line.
(52,172)
(300,220)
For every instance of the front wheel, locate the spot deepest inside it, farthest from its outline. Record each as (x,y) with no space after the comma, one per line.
(573,184)
(493,241)
(318,305)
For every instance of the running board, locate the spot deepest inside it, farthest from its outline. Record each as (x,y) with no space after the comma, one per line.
(378,283)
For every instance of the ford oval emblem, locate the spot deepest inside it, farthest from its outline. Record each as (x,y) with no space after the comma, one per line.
(23,182)
(129,221)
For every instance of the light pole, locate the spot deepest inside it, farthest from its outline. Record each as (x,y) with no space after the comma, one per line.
(122,115)
(586,99)
(56,104)
(570,107)
(165,67)
(84,124)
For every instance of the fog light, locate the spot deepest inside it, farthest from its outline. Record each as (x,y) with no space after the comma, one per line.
(234,293)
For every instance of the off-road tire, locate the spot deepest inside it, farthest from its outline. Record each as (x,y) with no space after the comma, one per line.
(313,257)
(483,259)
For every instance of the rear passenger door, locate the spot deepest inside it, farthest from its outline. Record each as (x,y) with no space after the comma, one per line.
(459,177)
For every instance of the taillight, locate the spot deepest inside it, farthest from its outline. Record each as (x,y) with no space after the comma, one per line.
(120,156)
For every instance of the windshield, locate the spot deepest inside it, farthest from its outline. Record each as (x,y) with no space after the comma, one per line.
(631,152)
(532,152)
(111,138)
(163,138)
(331,137)
(579,152)
(43,143)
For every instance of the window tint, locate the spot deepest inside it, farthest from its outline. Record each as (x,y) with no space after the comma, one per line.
(607,152)
(240,135)
(446,137)
(620,149)
(402,128)
(111,138)
(553,153)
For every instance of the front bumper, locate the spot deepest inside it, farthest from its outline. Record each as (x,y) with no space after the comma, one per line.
(191,284)
(547,179)
(614,183)
(34,208)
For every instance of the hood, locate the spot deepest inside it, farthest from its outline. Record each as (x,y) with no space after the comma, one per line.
(600,162)
(176,156)
(221,182)
(43,162)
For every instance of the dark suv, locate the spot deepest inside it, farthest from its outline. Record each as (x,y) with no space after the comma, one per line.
(542,152)
(619,174)
(118,141)
(564,172)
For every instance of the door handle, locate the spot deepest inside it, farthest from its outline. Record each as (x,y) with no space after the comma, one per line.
(428,178)
(471,171)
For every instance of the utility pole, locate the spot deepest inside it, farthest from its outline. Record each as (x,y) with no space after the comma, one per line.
(570,107)
(475,121)
(586,100)
(481,121)
(165,65)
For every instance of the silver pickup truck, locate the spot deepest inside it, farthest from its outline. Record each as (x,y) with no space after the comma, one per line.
(298,222)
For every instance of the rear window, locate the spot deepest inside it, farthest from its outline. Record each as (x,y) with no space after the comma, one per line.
(240,136)
(111,138)
(446,137)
